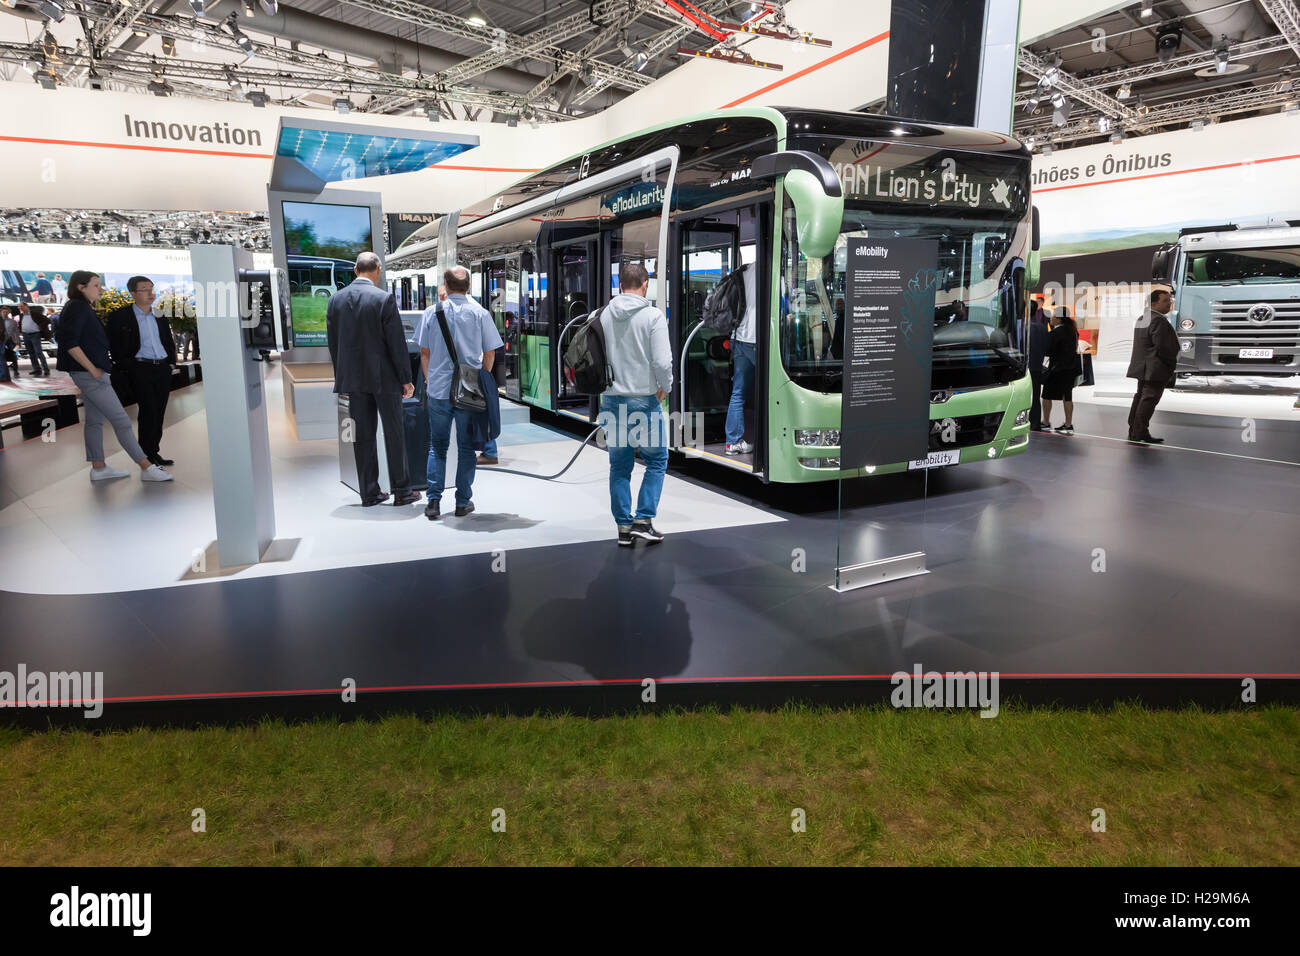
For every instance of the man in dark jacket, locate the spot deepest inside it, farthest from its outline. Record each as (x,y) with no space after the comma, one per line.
(371,366)
(144,352)
(1038,335)
(1154,358)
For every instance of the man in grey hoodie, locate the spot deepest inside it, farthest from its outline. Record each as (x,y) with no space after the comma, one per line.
(641,363)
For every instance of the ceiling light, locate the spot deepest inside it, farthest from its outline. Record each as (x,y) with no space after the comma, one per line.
(50,46)
(431,111)
(1029,142)
(1146,8)
(240,36)
(343,105)
(1124,92)
(639,61)
(197,6)
(1291,109)
(34,65)
(1198,124)
(249,10)
(1117,137)
(46,79)
(1031,105)
(1058,100)
(1049,149)
(1103,124)
(140,31)
(160,88)
(1221,56)
(169,46)
(271,7)
(231,79)
(1168,39)
(476,16)
(51,9)
(256,97)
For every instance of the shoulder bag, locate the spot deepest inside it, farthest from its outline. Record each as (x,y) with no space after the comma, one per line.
(466,389)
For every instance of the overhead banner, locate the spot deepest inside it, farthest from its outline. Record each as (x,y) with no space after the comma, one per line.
(402,225)
(889,311)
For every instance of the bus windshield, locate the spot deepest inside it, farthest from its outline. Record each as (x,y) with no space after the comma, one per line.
(977,305)
(1244,266)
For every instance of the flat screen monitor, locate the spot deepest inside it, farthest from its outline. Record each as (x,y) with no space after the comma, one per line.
(321,242)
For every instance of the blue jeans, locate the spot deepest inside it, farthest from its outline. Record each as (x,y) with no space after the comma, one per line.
(490,448)
(34,354)
(634,423)
(744,364)
(441,415)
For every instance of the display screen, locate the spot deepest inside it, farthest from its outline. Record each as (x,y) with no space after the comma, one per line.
(321,242)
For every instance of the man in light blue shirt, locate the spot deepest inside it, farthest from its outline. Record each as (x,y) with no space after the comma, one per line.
(144,351)
(475,339)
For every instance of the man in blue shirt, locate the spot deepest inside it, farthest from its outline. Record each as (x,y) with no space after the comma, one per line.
(475,338)
(144,351)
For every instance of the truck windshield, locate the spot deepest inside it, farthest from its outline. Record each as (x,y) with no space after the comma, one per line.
(977,306)
(1244,266)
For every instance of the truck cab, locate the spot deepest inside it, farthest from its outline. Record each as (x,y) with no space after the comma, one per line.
(1236,297)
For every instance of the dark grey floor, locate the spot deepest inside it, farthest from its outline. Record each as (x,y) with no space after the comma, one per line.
(1200,555)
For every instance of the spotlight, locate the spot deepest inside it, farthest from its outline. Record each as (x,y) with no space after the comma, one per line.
(249,10)
(231,79)
(1049,149)
(169,46)
(1291,109)
(256,97)
(1124,92)
(639,63)
(1221,56)
(1031,105)
(1168,39)
(140,31)
(1117,137)
(1146,9)
(50,46)
(52,9)
(1198,124)
(271,7)
(1054,71)
(197,6)
(46,79)
(1058,100)
(1103,124)
(476,16)
(1060,114)
(34,64)
(431,111)
(160,88)
(240,36)
(343,105)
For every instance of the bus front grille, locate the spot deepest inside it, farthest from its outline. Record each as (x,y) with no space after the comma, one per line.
(963,431)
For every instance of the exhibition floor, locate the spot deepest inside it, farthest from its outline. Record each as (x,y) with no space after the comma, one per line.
(1197,578)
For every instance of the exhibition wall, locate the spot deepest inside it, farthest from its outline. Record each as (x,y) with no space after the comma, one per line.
(202,154)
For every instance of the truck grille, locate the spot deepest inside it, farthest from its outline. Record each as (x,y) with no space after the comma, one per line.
(1231,331)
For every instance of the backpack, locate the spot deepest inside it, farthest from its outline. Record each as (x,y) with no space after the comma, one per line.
(586,360)
(724,307)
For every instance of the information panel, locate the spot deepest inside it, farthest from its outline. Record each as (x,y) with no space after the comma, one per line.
(889,315)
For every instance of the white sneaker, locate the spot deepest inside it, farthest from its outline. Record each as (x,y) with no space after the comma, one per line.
(740,448)
(154,473)
(103,474)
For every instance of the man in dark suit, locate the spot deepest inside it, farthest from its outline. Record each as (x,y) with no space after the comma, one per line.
(372,367)
(1154,358)
(143,349)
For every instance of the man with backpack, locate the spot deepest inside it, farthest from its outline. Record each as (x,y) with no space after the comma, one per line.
(638,374)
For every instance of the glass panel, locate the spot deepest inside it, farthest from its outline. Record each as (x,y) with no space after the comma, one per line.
(574,298)
(710,250)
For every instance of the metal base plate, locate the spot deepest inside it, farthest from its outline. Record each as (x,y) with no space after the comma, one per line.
(878,572)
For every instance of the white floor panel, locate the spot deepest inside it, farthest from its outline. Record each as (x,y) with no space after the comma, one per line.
(73,536)
(1239,396)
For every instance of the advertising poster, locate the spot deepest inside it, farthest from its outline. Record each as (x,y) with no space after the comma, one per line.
(890,291)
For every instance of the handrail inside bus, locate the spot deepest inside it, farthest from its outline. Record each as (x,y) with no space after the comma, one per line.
(686,349)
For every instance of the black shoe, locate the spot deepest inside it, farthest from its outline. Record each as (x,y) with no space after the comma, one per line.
(1065,430)
(433,509)
(1137,439)
(463,510)
(625,539)
(1152,439)
(160,461)
(406,498)
(646,532)
(371,502)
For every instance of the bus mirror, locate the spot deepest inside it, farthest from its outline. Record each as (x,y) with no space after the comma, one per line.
(817,215)
(1035,237)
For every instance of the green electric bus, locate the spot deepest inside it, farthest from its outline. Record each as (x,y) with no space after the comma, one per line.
(785,191)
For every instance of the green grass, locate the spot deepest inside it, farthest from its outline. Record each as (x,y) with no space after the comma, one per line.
(879,787)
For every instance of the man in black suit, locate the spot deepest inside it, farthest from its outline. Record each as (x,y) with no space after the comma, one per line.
(1154,358)
(1038,336)
(143,350)
(372,367)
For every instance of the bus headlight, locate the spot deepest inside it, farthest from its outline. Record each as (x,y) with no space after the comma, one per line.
(817,437)
(1022,417)
(1186,325)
